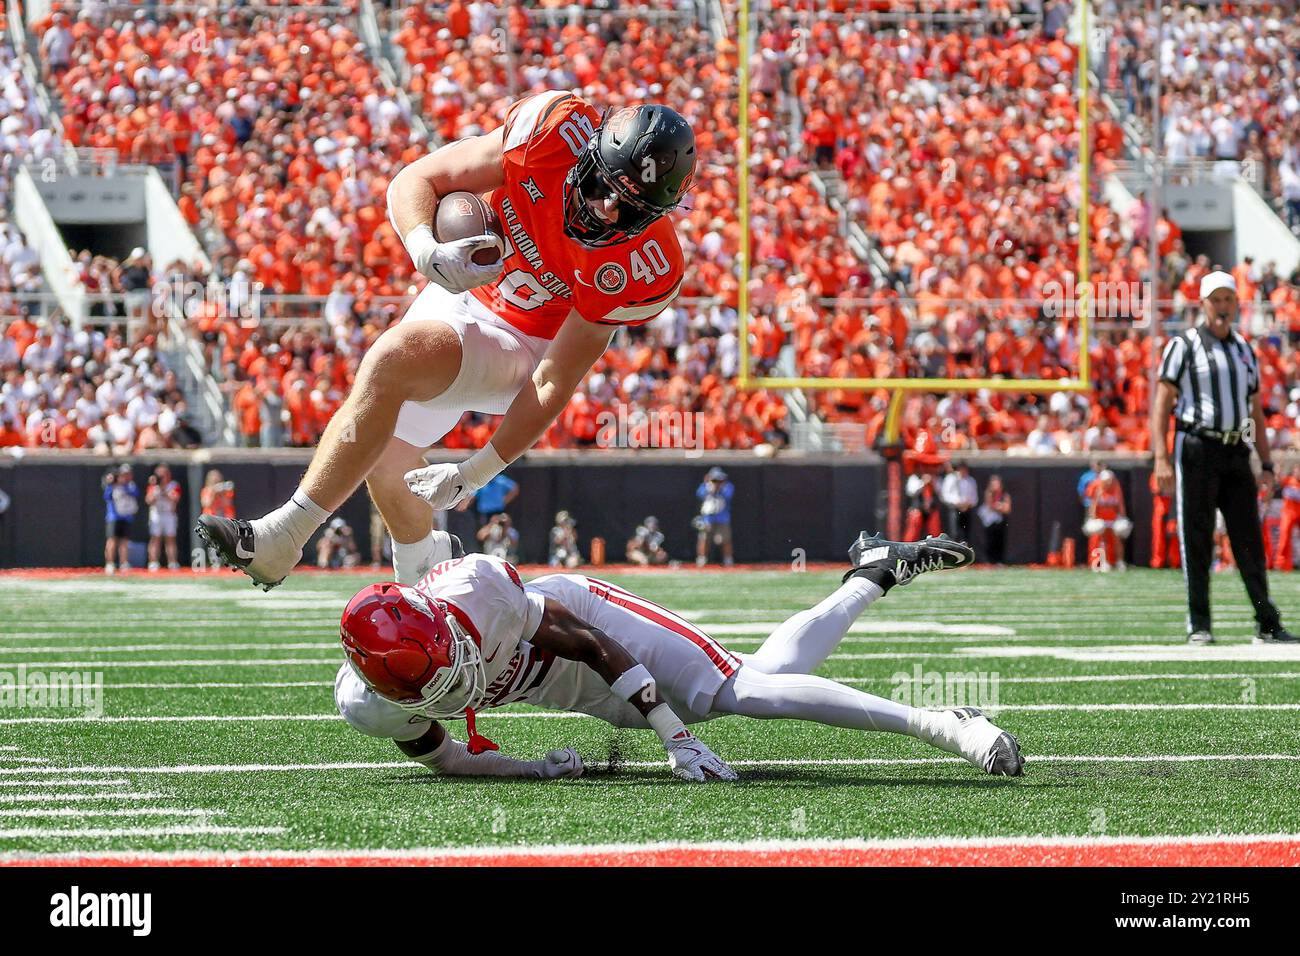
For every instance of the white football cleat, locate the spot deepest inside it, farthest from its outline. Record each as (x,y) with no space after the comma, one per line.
(965,731)
(268,560)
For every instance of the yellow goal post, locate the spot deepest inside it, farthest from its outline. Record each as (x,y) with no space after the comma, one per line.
(899,386)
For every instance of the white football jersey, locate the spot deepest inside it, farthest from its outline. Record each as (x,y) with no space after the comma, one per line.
(486,596)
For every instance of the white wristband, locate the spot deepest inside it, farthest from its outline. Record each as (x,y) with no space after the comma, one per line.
(631,682)
(420,246)
(482,466)
(665,723)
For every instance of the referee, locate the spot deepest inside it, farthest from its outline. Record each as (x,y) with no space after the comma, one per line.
(1209,379)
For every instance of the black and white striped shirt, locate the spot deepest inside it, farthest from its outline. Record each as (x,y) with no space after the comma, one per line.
(1215,378)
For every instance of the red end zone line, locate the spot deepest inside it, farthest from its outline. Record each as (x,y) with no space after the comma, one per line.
(1165,853)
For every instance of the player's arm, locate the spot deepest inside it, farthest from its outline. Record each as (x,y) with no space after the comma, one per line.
(443,754)
(476,165)
(539,402)
(566,635)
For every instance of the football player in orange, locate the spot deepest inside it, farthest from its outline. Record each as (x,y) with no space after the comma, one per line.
(1282,557)
(583,200)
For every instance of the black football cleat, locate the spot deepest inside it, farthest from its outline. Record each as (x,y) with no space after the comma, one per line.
(1004,757)
(908,559)
(234,541)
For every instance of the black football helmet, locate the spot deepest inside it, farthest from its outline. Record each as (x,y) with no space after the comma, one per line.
(642,155)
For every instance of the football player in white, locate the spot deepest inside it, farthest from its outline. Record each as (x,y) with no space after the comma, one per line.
(471,635)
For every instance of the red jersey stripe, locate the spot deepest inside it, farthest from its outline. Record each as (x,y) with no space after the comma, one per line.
(726,662)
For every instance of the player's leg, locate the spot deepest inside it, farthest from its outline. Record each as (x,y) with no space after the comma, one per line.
(416,545)
(775,682)
(412,361)
(802,643)
(963,731)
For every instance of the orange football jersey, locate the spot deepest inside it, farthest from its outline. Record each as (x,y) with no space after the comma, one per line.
(546,273)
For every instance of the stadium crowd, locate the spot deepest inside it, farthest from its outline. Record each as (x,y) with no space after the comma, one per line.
(955,146)
(1228,86)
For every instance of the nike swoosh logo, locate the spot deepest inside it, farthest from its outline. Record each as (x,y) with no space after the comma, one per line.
(577,275)
(241,553)
(495,651)
(458,489)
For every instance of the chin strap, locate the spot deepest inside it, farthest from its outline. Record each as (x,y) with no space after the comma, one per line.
(477,742)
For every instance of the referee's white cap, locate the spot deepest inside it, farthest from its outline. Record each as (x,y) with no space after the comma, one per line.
(1214,281)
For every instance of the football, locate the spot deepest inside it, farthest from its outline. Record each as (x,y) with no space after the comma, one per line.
(462,215)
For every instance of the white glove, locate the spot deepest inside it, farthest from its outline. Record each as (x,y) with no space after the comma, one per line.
(443,486)
(450,264)
(691,760)
(562,763)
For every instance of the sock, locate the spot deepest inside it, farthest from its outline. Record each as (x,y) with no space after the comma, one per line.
(802,644)
(297,519)
(936,728)
(882,577)
(413,561)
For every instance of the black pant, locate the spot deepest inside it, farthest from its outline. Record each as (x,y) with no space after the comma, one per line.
(959,523)
(995,541)
(1212,475)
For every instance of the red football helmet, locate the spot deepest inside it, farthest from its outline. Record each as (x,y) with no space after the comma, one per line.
(407,648)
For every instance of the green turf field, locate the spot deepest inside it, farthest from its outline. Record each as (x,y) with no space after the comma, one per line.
(218,729)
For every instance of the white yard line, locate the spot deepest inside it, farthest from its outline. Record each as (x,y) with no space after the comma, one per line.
(142,648)
(57,812)
(201,662)
(207,685)
(1089,678)
(24,759)
(65,783)
(568,715)
(77,797)
(85,833)
(190,769)
(177,719)
(1062,679)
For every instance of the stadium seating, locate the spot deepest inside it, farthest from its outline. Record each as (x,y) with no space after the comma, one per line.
(954,144)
